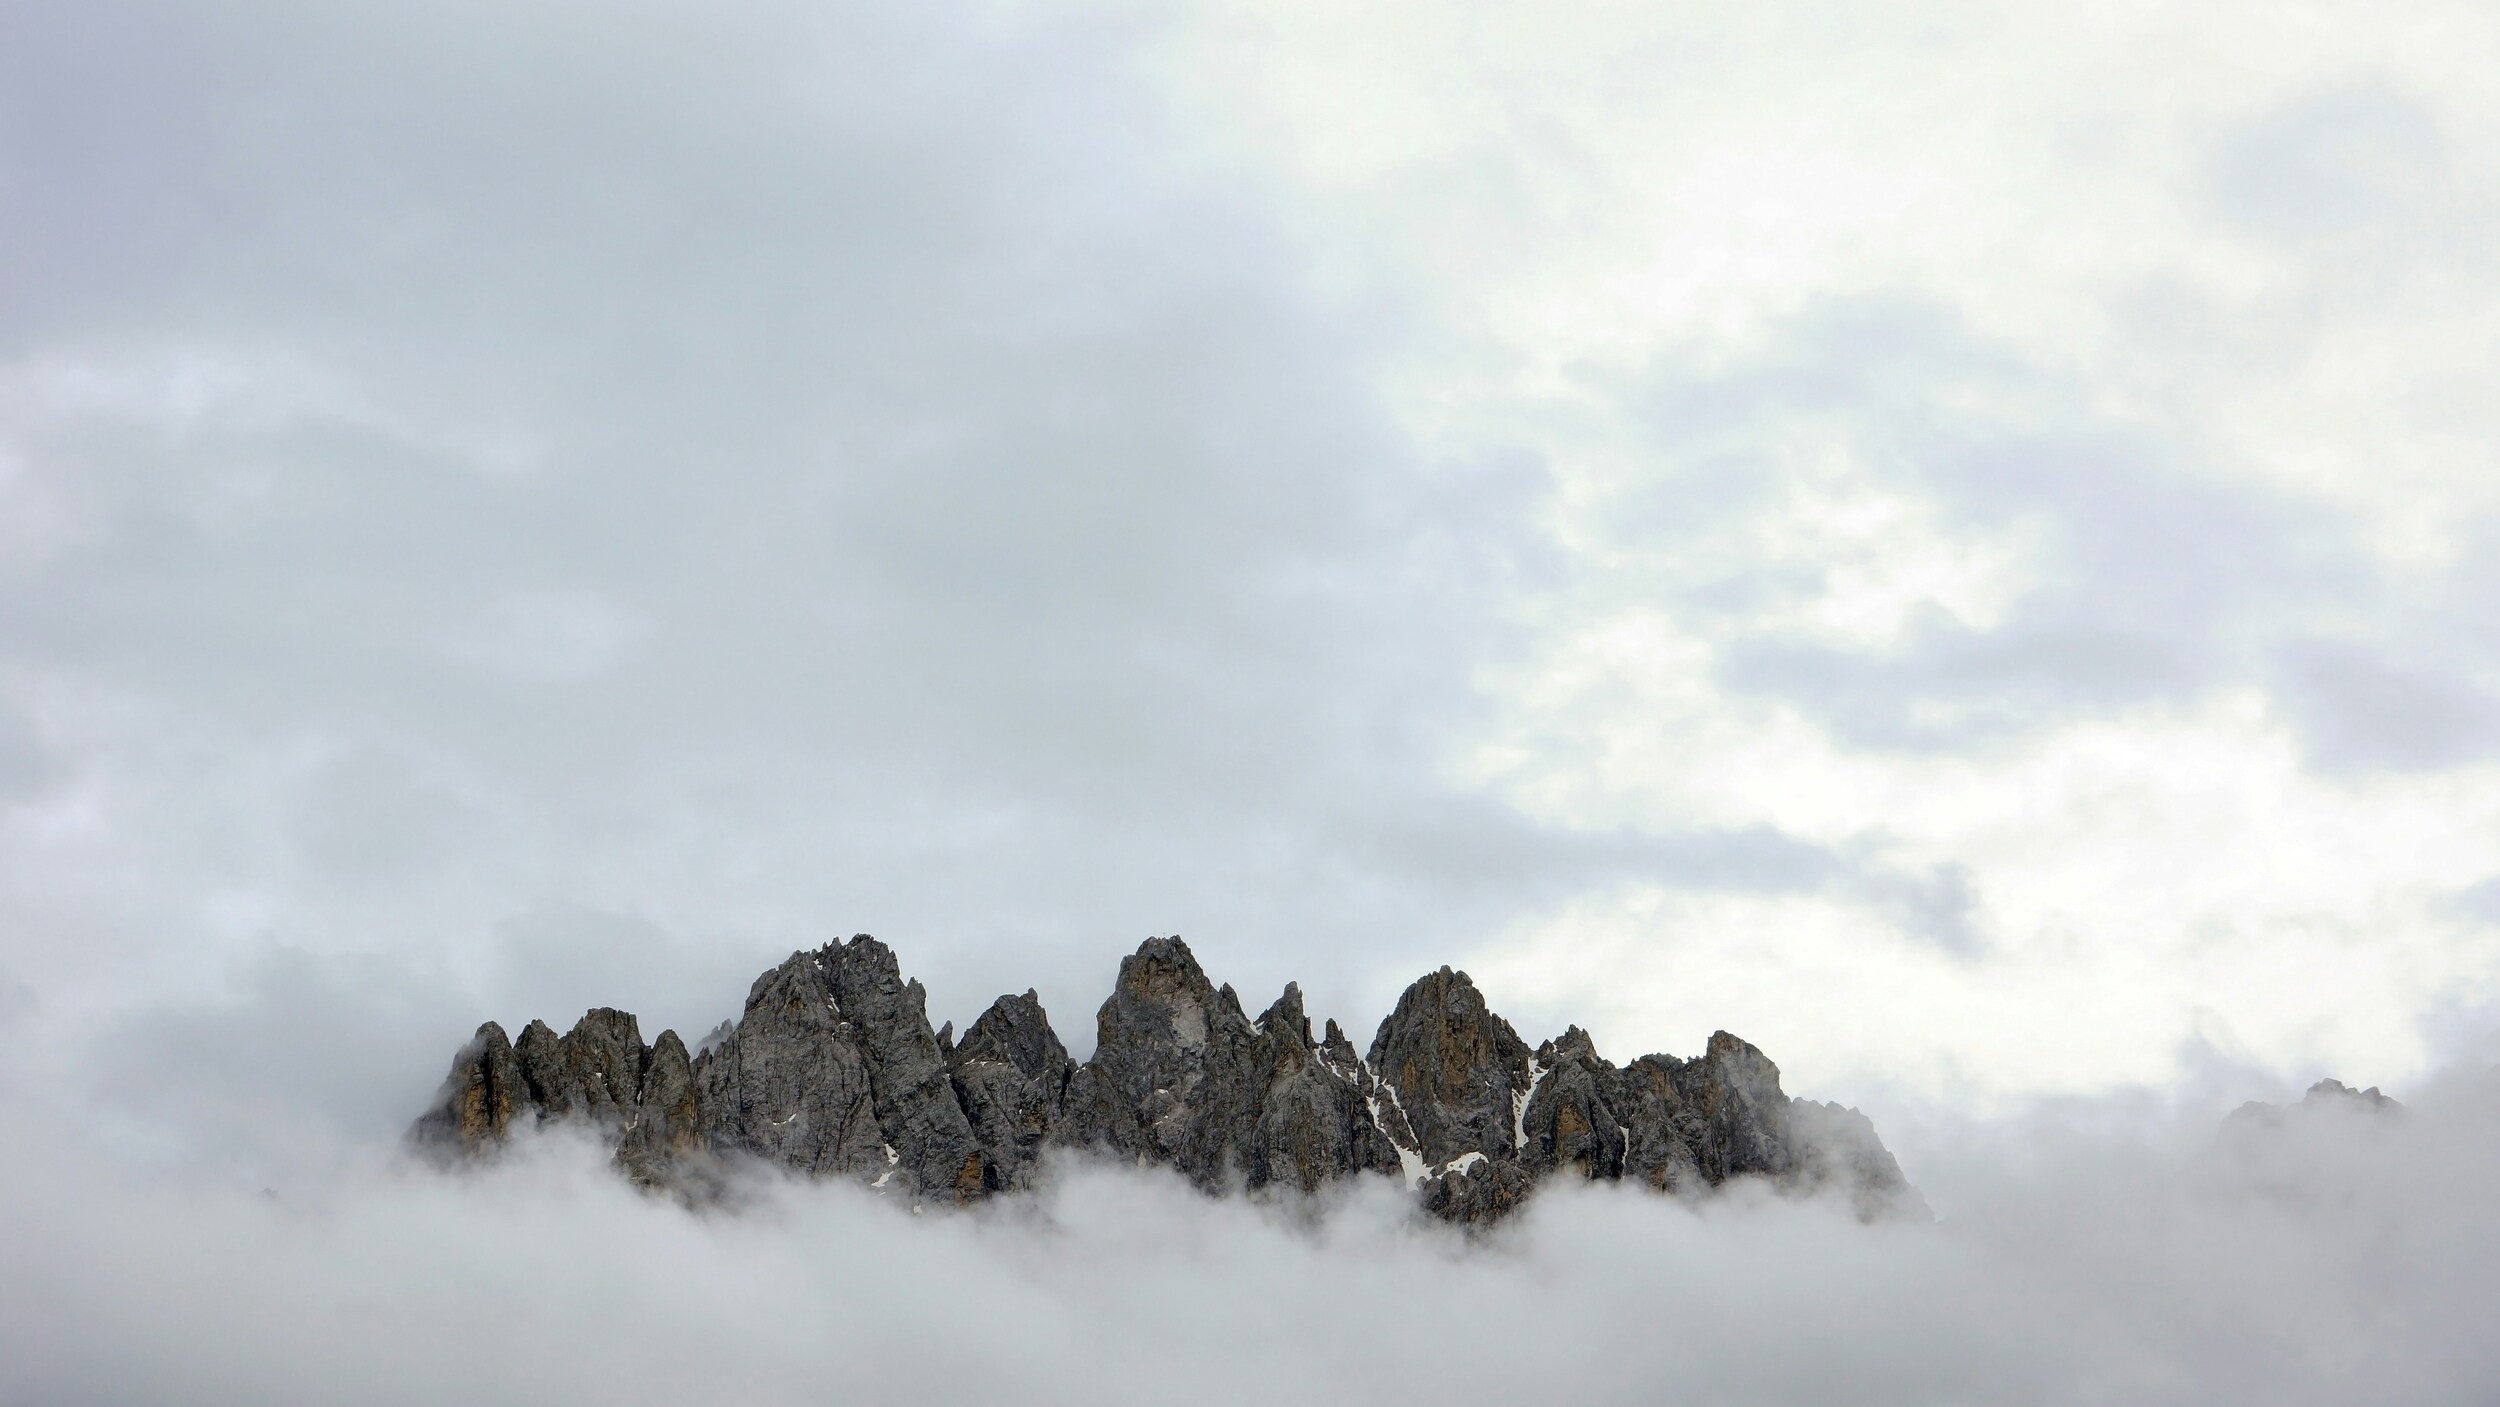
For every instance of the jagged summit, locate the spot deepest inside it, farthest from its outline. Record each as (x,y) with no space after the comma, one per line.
(833,1070)
(2328,1097)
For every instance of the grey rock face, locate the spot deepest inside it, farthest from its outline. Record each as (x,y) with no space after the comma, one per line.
(1015,1031)
(1578,1118)
(540,1055)
(1182,1079)
(832,1070)
(1683,1126)
(1314,1124)
(598,1067)
(667,1129)
(475,1105)
(1458,1069)
(642,1098)
(1011,1076)
(1478,1193)
(1733,1090)
(1171,1080)
(790,1084)
(915,1101)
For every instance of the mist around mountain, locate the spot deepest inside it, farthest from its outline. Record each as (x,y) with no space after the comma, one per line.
(2319,1251)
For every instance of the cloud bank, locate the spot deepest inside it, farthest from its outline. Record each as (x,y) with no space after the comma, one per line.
(2342,1257)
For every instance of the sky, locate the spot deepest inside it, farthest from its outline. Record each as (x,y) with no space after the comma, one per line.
(1954,541)
(1950,540)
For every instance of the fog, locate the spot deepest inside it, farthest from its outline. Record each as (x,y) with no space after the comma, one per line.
(2091,1256)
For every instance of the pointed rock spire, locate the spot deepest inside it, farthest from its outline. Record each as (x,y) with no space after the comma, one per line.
(832,1069)
(1458,1069)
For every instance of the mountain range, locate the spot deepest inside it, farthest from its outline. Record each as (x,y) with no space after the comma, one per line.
(834,1071)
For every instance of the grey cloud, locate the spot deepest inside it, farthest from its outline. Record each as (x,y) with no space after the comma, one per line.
(26,763)
(819,469)
(1951,686)
(92,133)
(2356,159)
(654,493)
(1940,906)
(369,814)
(277,1078)
(17,1001)
(841,475)
(2481,901)
(2152,581)
(1481,846)
(302,1061)
(2357,710)
(2095,1256)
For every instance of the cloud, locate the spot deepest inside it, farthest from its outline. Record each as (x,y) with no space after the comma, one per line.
(841,474)
(2081,1259)
(2137,581)
(2359,711)
(1357,491)
(2351,159)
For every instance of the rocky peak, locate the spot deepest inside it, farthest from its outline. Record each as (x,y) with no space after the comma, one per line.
(1285,1019)
(1734,1090)
(477,1099)
(2328,1099)
(1167,1083)
(1015,1031)
(922,1121)
(1573,1045)
(1337,1050)
(1010,1074)
(594,1070)
(790,1084)
(832,1070)
(1457,1068)
(2332,1093)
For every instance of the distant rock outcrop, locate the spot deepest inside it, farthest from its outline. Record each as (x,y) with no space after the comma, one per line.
(2323,1150)
(2325,1097)
(833,1070)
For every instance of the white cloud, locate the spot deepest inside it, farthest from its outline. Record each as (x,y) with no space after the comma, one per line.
(1974,427)
(2339,1258)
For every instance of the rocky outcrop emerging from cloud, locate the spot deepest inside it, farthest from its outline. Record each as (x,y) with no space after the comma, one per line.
(833,1070)
(2322,1151)
(2326,1098)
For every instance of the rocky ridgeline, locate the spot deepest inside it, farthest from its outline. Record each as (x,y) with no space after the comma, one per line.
(833,1071)
(2330,1097)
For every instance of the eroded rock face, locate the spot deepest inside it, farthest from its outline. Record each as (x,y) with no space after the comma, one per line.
(1010,1075)
(475,1104)
(832,1070)
(1170,1082)
(667,1128)
(790,1084)
(1458,1069)
(1314,1124)
(922,1120)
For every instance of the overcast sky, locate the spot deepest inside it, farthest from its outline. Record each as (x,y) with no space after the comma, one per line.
(1953,541)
